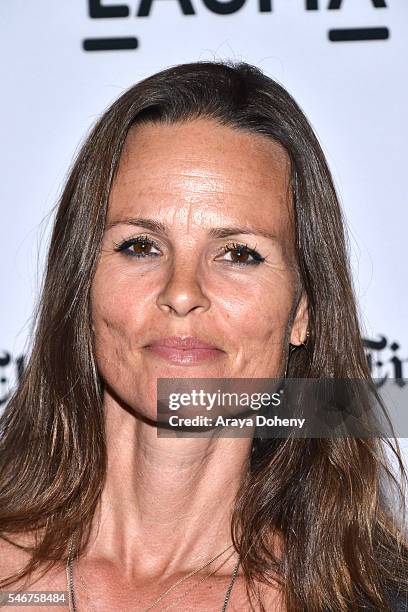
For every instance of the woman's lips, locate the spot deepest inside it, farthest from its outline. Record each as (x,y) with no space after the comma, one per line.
(184,350)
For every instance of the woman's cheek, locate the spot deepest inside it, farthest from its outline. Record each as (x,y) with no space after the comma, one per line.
(259,306)
(117,290)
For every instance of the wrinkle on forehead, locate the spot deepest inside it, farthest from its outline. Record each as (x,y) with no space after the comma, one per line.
(201,161)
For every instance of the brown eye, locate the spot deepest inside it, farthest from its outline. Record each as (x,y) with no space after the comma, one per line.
(141,248)
(138,247)
(242,255)
(239,255)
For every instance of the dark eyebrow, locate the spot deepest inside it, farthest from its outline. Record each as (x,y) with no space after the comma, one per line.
(149,224)
(213,232)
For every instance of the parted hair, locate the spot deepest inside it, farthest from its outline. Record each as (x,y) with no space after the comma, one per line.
(344,543)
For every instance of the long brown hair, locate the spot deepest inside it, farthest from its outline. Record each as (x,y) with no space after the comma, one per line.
(343,543)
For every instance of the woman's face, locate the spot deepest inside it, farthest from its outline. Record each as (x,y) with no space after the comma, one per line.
(184,197)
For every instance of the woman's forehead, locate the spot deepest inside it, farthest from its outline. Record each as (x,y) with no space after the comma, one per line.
(203,149)
(199,164)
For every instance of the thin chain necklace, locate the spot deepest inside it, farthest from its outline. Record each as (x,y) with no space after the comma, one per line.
(71,592)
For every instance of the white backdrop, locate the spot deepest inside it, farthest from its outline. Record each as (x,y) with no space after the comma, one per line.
(354,92)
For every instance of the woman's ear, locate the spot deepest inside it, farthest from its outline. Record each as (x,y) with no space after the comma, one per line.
(300,321)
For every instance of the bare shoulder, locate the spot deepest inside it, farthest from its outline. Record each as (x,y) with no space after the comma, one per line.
(271,598)
(14,559)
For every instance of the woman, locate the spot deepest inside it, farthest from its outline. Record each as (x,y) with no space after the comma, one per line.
(198,235)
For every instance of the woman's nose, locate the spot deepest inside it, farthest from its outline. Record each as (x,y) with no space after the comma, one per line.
(183,291)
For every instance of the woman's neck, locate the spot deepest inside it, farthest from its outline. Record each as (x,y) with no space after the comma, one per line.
(166,504)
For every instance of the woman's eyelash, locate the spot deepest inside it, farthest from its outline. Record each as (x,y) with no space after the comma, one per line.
(139,240)
(234,246)
(145,241)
